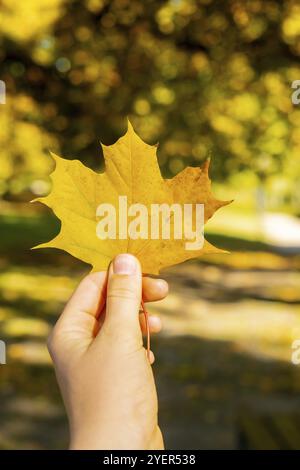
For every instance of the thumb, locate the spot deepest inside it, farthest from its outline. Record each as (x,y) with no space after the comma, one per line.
(124,291)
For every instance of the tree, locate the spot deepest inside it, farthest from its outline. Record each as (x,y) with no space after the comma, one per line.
(200,76)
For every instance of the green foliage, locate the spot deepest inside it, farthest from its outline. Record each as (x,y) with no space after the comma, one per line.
(200,76)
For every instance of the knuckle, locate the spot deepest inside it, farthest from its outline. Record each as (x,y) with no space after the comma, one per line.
(52,342)
(123,292)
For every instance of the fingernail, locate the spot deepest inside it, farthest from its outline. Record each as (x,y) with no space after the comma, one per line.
(124,264)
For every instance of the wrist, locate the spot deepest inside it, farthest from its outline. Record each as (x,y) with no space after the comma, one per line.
(106,440)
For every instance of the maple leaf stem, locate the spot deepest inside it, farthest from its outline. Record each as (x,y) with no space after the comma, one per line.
(146,315)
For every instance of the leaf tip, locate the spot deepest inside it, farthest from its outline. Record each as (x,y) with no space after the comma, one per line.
(206,165)
(129,125)
(226,203)
(103,146)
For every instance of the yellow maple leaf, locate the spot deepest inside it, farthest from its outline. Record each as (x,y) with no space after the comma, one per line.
(131,170)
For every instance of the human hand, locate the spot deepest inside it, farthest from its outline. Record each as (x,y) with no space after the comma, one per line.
(101,365)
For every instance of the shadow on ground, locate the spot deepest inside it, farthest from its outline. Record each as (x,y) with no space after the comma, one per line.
(229,323)
(201,387)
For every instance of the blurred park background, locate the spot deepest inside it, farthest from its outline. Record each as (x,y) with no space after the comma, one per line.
(204,78)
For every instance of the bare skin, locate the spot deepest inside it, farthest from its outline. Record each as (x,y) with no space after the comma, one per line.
(102,368)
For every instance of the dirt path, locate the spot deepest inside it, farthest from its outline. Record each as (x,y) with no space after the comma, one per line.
(226,341)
